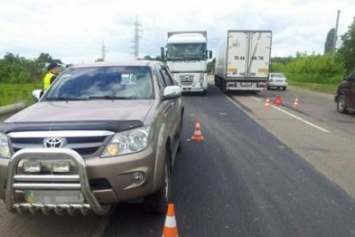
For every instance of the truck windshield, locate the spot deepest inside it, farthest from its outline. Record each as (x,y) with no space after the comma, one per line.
(189,51)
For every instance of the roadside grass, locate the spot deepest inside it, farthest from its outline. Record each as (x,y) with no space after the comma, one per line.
(315,82)
(14,93)
(326,88)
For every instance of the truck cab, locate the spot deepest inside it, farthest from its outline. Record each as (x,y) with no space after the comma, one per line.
(186,55)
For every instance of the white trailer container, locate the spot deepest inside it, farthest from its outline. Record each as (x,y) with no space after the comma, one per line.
(186,55)
(242,60)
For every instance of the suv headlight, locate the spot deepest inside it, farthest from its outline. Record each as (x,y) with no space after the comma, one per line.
(4,146)
(128,142)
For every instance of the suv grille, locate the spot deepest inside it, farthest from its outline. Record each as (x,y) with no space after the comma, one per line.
(85,144)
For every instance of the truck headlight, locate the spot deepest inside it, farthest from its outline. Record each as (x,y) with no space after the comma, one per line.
(4,146)
(128,142)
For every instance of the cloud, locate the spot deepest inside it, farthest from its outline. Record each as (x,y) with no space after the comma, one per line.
(76,31)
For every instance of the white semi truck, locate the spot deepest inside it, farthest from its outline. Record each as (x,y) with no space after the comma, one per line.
(242,60)
(186,55)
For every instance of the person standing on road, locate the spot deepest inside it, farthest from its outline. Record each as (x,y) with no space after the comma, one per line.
(53,71)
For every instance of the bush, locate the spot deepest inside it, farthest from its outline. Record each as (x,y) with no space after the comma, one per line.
(14,93)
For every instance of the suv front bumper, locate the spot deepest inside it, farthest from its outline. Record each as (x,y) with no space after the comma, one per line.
(117,171)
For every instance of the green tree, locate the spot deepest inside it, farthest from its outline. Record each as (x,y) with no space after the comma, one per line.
(210,66)
(147,57)
(44,58)
(16,69)
(346,52)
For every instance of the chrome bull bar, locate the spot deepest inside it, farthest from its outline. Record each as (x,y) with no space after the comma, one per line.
(55,182)
(58,209)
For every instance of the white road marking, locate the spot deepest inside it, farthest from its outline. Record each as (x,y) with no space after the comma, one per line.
(296,117)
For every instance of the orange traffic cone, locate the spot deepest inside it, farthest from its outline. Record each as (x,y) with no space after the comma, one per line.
(197,133)
(295,104)
(267,103)
(170,229)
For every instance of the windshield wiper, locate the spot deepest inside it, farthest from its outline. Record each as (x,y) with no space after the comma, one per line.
(175,58)
(111,97)
(64,98)
(187,58)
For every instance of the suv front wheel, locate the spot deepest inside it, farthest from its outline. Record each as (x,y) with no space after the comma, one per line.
(341,107)
(158,201)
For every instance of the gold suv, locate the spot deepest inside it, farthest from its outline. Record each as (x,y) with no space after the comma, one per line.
(103,133)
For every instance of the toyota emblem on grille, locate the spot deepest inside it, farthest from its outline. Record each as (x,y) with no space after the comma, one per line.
(54,142)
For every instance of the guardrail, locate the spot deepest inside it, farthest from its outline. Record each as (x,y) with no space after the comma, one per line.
(7,110)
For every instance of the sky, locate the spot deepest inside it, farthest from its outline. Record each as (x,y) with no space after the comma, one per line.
(79,31)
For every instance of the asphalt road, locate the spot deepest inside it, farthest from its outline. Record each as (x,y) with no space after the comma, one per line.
(243,181)
(258,172)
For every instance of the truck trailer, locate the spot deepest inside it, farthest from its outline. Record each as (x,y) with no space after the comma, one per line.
(242,60)
(186,55)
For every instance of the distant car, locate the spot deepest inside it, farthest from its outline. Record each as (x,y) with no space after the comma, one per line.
(277,80)
(345,95)
(102,133)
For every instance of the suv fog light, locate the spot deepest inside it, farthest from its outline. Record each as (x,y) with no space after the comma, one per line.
(137,176)
(32,166)
(61,167)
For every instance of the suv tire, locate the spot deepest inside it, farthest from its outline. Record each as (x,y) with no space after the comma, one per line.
(341,107)
(181,139)
(157,202)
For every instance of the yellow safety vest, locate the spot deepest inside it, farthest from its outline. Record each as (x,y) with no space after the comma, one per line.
(48,80)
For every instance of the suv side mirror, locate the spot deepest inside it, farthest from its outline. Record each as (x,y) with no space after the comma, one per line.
(37,94)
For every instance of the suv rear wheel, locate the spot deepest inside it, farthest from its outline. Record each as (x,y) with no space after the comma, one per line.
(157,202)
(341,107)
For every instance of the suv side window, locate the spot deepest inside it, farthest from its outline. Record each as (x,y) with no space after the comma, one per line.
(161,81)
(167,77)
(350,76)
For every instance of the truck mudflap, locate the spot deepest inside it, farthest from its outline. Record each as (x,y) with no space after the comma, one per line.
(46,187)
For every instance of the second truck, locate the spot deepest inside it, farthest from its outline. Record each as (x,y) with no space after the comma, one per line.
(186,55)
(242,60)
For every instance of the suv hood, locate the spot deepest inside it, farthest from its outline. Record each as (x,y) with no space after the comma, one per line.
(83,111)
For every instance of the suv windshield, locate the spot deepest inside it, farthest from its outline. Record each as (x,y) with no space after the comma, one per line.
(89,83)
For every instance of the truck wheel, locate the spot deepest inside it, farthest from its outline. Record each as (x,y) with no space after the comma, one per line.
(341,107)
(204,92)
(216,81)
(157,202)
(223,87)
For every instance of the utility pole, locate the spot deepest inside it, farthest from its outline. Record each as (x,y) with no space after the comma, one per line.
(336,33)
(103,53)
(137,29)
